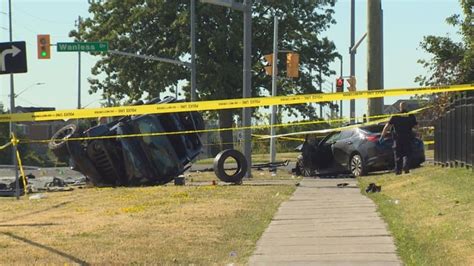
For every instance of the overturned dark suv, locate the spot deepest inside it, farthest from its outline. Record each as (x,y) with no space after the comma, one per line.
(148,151)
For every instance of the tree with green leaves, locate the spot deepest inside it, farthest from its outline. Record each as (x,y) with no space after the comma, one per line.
(162,28)
(452,62)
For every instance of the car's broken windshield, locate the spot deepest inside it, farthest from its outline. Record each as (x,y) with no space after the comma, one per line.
(161,152)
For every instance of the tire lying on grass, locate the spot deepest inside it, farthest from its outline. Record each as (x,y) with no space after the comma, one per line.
(219,162)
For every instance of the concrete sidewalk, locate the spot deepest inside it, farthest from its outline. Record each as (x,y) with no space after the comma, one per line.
(322,224)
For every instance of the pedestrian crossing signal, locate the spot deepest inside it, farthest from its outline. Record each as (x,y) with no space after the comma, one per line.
(352,83)
(269,66)
(292,65)
(339,85)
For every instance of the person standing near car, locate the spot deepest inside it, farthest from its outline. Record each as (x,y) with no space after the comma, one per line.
(401,126)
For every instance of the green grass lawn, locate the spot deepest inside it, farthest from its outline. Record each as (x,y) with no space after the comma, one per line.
(430,213)
(160,225)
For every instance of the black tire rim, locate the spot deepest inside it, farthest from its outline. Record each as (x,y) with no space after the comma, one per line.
(306,171)
(356,165)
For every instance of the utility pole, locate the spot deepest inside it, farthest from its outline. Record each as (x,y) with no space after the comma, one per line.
(340,75)
(333,112)
(12,109)
(193,50)
(374,55)
(274,88)
(352,58)
(79,21)
(247,83)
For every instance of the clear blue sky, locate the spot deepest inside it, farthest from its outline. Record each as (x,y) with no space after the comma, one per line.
(405,24)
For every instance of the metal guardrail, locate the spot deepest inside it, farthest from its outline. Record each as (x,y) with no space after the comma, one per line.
(454,133)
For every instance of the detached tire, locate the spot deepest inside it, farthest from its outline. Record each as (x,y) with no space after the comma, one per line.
(219,162)
(58,143)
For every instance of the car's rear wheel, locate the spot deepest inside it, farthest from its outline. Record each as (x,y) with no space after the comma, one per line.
(58,143)
(357,166)
(302,169)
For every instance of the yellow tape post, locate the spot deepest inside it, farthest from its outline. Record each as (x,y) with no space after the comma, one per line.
(14,141)
(224,104)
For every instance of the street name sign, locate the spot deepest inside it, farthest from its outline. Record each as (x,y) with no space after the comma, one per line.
(82,46)
(12,58)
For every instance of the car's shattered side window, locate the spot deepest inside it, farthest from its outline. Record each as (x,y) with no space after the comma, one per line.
(335,137)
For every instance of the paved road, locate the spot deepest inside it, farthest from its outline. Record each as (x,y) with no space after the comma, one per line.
(201,167)
(322,224)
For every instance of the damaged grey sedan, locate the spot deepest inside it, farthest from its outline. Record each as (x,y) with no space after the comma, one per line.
(110,155)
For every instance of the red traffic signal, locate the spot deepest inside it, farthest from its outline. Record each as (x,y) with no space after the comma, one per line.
(339,85)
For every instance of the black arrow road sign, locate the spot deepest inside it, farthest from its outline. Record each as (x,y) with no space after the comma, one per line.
(12,57)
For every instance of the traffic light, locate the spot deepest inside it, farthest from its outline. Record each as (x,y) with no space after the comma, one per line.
(44,46)
(339,85)
(269,66)
(292,65)
(352,83)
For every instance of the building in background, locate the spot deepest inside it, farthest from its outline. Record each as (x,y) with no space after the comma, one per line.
(395,107)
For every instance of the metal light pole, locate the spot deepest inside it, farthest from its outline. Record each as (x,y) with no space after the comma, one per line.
(12,109)
(193,50)
(352,54)
(79,21)
(27,88)
(274,88)
(321,91)
(247,78)
(246,8)
(340,75)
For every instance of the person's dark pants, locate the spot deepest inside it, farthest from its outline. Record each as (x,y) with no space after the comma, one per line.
(402,152)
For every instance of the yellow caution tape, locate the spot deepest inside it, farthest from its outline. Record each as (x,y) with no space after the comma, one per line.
(381,118)
(283,138)
(384,118)
(224,104)
(5,145)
